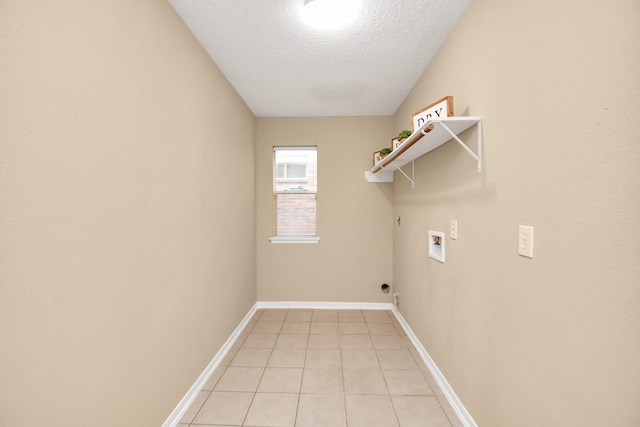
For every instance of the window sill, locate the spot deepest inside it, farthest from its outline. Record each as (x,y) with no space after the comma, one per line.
(294,239)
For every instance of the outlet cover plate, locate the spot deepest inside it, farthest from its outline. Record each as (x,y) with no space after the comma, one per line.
(525,241)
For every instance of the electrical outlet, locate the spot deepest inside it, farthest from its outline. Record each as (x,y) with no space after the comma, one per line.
(454,229)
(525,241)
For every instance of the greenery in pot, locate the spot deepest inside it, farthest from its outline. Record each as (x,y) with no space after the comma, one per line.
(384,152)
(404,135)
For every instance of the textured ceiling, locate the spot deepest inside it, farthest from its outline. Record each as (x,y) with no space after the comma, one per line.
(281,66)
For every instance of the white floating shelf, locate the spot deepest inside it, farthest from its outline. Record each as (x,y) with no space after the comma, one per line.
(423,141)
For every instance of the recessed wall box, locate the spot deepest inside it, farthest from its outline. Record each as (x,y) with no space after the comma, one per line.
(436,245)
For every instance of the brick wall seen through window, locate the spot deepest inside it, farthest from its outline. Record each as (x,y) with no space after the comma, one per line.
(295,190)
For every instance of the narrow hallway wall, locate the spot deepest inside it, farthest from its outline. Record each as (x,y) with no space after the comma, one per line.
(553,340)
(127,257)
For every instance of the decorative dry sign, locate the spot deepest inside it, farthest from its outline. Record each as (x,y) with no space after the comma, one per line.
(441,108)
(395,143)
(377,158)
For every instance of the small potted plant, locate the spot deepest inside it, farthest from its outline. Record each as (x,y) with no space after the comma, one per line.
(403,135)
(384,152)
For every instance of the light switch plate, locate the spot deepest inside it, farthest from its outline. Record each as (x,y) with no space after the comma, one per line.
(454,229)
(525,241)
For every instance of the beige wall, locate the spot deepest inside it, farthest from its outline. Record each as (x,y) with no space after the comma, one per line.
(553,340)
(125,261)
(354,255)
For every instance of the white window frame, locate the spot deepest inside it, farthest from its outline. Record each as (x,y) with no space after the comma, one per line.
(293,238)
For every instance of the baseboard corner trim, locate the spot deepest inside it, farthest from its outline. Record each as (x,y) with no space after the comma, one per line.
(447,390)
(462,413)
(179,411)
(318,305)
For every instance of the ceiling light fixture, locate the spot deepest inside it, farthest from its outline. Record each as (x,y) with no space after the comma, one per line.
(330,14)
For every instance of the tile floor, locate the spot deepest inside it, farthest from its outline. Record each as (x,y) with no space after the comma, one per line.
(321,368)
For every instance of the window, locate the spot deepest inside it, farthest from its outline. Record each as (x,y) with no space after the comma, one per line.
(291,170)
(295,184)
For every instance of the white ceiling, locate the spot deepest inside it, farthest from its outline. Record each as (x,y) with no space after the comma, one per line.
(281,66)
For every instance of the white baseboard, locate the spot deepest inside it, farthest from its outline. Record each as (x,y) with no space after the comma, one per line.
(324,305)
(454,401)
(447,390)
(175,416)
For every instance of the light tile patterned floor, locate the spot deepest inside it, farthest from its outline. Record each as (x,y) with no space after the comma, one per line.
(321,368)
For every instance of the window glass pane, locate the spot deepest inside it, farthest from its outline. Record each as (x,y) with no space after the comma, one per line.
(295,188)
(295,214)
(296,171)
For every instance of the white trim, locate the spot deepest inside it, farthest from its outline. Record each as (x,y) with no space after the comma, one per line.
(294,239)
(462,413)
(324,305)
(177,414)
(447,390)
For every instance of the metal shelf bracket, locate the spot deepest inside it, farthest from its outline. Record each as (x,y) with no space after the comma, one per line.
(412,178)
(477,157)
